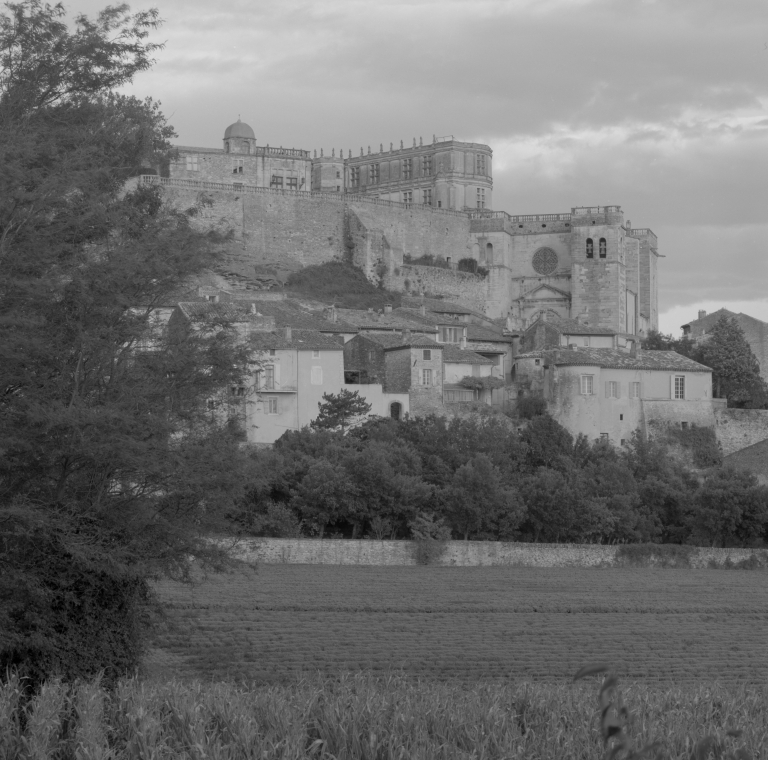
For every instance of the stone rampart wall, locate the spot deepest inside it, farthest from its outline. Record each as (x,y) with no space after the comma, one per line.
(458,553)
(462,287)
(738,428)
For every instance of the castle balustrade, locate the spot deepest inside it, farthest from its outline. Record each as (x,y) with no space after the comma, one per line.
(519,218)
(587,210)
(194,184)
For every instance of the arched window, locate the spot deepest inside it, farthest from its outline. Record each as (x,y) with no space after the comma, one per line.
(395,409)
(603,248)
(590,249)
(489,253)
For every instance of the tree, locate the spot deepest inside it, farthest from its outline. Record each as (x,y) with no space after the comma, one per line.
(656,341)
(111,470)
(340,411)
(735,370)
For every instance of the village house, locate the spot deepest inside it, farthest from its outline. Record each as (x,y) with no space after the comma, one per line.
(607,393)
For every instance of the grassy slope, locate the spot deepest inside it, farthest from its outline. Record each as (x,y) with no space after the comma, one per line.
(340,284)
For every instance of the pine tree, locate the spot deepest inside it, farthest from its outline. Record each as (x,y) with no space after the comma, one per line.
(735,369)
(340,411)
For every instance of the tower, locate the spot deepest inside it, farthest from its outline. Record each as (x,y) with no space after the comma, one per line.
(239,138)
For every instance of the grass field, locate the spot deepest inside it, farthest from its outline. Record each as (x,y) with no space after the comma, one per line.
(468,624)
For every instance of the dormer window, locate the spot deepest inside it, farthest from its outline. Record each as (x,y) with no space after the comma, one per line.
(590,249)
(603,248)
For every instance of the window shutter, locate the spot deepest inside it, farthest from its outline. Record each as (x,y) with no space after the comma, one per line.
(607,389)
(672,387)
(277,375)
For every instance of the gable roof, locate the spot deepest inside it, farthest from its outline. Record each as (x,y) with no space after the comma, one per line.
(529,293)
(611,358)
(572,327)
(392,341)
(456,355)
(301,340)
(483,334)
(372,320)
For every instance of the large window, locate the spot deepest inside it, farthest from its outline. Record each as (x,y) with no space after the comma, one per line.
(590,249)
(238,165)
(612,389)
(634,390)
(451,334)
(354,176)
(480,197)
(271,406)
(426,166)
(426,196)
(587,385)
(480,163)
(407,168)
(373,174)
(292,183)
(603,248)
(427,354)
(276,182)
(408,197)
(269,377)
(679,386)
(426,377)
(192,164)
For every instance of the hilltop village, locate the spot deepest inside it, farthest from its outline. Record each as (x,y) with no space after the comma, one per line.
(493,307)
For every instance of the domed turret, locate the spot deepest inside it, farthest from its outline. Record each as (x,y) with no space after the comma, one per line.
(239,138)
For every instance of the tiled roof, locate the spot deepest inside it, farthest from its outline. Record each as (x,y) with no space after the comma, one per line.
(392,341)
(573,327)
(486,334)
(372,320)
(436,305)
(285,314)
(456,355)
(430,318)
(301,340)
(610,358)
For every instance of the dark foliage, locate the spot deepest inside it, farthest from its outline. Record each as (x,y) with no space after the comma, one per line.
(340,411)
(341,284)
(529,407)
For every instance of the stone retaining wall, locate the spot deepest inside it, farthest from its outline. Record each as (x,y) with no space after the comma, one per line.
(458,553)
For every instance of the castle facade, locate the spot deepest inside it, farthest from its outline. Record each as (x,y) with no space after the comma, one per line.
(398,212)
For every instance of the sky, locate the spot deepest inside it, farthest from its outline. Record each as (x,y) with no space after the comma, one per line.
(660,106)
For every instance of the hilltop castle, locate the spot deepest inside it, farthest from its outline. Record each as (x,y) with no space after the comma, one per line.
(398,213)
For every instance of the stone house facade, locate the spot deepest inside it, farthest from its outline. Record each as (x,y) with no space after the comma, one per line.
(607,393)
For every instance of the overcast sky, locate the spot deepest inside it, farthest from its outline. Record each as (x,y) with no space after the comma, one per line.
(659,106)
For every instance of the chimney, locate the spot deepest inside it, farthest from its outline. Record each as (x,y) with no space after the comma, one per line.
(464,342)
(633,349)
(406,336)
(702,314)
(288,334)
(387,308)
(334,315)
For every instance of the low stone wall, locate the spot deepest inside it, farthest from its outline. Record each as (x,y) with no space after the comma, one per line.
(308,551)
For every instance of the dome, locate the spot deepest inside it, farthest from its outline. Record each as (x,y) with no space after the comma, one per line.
(239,129)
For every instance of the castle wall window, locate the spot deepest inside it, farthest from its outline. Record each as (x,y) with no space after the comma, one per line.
(192,164)
(603,248)
(354,176)
(407,168)
(489,253)
(612,389)
(480,197)
(590,249)
(634,390)
(427,197)
(408,197)
(238,165)
(292,183)
(480,164)
(678,386)
(373,174)
(276,182)
(427,354)
(426,377)
(587,385)
(269,377)
(426,166)
(271,406)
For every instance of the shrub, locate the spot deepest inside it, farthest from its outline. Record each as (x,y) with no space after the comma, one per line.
(430,538)
(344,284)
(529,407)
(702,443)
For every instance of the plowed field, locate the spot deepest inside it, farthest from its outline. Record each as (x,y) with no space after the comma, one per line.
(468,623)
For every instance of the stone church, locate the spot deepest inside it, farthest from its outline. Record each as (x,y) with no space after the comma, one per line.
(409,215)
